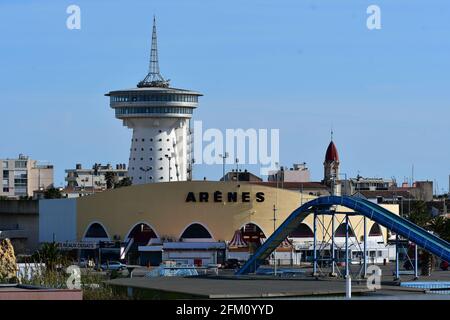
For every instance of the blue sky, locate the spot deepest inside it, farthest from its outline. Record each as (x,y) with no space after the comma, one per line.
(300,66)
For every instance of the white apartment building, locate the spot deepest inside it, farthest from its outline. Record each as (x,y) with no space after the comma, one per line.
(299,172)
(94,178)
(22,176)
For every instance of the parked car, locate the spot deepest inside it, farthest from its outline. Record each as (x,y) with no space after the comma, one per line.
(231,264)
(86,263)
(113,265)
(444,265)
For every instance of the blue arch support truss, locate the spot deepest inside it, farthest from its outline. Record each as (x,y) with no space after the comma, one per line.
(382,216)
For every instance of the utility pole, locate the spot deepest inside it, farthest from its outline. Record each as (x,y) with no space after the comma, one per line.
(237,171)
(275,251)
(224,156)
(169,158)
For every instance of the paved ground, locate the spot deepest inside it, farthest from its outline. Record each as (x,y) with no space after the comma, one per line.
(300,284)
(207,287)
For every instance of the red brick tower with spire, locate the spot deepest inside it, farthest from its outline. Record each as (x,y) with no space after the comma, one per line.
(331,168)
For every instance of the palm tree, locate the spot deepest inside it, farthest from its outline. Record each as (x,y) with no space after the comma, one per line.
(49,254)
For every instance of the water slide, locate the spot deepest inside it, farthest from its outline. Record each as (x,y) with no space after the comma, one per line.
(382,216)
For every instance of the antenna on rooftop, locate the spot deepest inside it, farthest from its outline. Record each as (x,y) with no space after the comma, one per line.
(154,77)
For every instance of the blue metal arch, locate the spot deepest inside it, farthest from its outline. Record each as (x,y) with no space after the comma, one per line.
(382,216)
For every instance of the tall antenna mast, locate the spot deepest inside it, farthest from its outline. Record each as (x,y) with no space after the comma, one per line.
(154,77)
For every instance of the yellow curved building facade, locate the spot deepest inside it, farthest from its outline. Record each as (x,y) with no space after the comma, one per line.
(169,208)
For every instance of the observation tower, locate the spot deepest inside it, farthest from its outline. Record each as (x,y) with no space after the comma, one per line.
(161,147)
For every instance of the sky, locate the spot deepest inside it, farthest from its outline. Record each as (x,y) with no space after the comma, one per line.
(302,67)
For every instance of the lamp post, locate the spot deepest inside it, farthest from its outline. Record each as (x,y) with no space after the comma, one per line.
(237,171)
(223,156)
(146,169)
(275,251)
(169,158)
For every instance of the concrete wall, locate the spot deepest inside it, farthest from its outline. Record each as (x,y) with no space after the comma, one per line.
(19,221)
(57,220)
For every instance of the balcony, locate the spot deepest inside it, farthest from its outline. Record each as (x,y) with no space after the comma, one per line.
(13,233)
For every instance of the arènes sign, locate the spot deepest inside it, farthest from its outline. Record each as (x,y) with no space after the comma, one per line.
(219,196)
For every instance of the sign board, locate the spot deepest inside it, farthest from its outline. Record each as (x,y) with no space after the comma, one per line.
(70,245)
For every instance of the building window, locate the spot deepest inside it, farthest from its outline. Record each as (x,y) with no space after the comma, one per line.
(151,159)
(5,189)
(142,149)
(20,164)
(143,140)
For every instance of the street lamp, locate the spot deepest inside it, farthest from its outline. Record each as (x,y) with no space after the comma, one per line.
(169,158)
(224,156)
(237,171)
(146,169)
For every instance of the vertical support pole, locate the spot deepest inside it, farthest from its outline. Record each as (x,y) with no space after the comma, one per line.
(348,287)
(365,248)
(333,253)
(315,245)
(347,269)
(397,262)
(416,274)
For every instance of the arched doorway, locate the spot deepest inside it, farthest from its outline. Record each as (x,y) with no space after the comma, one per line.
(196,232)
(375,231)
(137,244)
(141,234)
(253,236)
(341,231)
(302,231)
(96,232)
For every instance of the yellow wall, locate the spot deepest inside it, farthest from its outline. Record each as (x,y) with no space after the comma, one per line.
(163,206)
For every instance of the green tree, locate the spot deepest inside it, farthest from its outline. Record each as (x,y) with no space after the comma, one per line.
(52,193)
(441,227)
(49,254)
(125,182)
(110,178)
(419,214)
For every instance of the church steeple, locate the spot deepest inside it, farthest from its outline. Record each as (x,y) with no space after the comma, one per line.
(331,168)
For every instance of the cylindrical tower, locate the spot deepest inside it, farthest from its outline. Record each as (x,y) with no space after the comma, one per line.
(160,118)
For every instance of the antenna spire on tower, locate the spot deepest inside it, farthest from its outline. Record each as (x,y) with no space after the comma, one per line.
(154,77)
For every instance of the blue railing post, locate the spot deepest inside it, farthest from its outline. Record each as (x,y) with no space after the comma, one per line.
(315,244)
